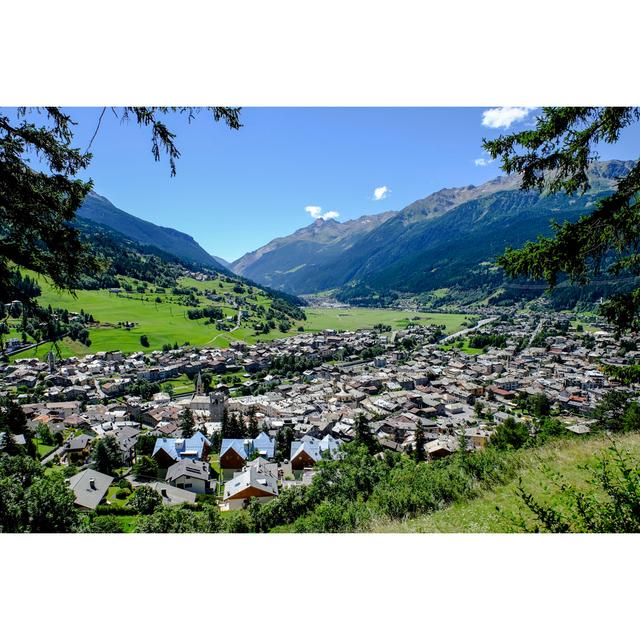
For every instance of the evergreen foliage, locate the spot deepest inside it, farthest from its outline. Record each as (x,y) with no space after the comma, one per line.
(554,157)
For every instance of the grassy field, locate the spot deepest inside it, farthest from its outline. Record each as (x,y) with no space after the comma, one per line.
(466,348)
(166,322)
(481,515)
(320,318)
(181,384)
(588,328)
(43,449)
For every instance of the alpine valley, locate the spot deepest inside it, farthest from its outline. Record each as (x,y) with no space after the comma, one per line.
(439,249)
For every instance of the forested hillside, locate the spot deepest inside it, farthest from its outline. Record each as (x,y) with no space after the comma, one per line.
(449,239)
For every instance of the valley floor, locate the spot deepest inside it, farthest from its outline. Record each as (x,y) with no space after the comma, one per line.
(489,512)
(166,321)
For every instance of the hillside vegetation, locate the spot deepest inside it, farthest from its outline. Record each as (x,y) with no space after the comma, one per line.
(490,512)
(122,318)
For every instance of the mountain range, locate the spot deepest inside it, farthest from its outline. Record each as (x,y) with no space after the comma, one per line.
(449,238)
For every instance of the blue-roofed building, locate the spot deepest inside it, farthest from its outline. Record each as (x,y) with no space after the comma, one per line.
(308,450)
(265,446)
(167,451)
(235,452)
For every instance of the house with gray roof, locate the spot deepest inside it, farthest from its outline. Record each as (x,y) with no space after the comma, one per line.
(171,495)
(251,483)
(191,475)
(89,487)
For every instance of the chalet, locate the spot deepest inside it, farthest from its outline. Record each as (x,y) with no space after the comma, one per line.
(77,447)
(478,438)
(308,450)
(244,486)
(172,495)
(127,437)
(234,452)
(64,408)
(502,394)
(441,448)
(166,451)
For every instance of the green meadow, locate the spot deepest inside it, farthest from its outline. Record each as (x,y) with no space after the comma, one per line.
(320,318)
(166,322)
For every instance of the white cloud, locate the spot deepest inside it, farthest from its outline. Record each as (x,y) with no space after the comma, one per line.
(482,162)
(504,117)
(313,211)
(316,212)
(380,193)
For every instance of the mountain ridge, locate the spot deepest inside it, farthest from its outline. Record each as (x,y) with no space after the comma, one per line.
(473,223)
(100,209)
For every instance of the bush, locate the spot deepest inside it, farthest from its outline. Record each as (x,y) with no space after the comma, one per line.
(239,522)
(510,434)
(144,341)
(611,505)
(114,510)
(104,524)
(181,520)
(146,467)
(145,500)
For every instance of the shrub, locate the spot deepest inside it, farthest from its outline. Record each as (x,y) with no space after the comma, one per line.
(510,434)
(145,500)
(104,524)
(146,467)
(610,505)
(114,510)
(181,520)
(239,522)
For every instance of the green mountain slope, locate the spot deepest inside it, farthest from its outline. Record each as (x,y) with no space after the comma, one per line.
(443,240)
(98,209)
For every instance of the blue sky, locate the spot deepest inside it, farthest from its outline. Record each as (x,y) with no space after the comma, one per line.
(237,190)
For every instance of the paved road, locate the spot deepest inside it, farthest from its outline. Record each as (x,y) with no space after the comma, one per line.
(231,330)
(463,332)
(99,390)
(536,332)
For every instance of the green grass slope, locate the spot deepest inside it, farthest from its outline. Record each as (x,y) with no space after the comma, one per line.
(571,457)
(167,322)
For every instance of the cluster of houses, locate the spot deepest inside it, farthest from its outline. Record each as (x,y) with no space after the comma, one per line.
(401,391)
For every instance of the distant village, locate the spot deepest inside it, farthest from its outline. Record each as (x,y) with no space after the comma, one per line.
(403,382)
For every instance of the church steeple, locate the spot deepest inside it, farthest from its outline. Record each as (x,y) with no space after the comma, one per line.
(199,385)
(51,361)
